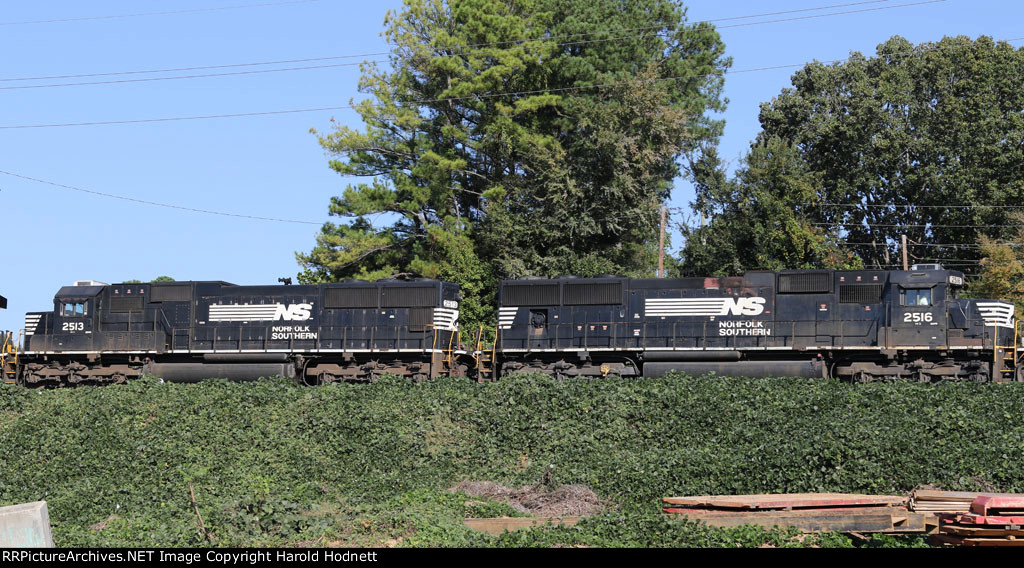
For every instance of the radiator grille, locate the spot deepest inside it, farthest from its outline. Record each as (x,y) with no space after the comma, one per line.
(530,295)
(409,297)
(174,293)
(589,294)
(861,294)
(362,297)
(811,283)
(124,305)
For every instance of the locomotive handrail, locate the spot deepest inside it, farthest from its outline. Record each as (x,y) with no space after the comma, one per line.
(403,333)
(612,337)
(588,335)
(618,335)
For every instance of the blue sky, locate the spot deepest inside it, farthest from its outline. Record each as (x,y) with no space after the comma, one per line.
(270,165)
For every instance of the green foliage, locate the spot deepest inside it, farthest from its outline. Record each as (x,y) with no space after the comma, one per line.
(1002,268)
(880,147)
(157,279)
(272,463)
(762,219)
(470,181)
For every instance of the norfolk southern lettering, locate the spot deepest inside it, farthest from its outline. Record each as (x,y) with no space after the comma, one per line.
(291,332)
(728,328)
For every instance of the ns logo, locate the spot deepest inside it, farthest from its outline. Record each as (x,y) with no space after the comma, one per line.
(293,312)
(742,306)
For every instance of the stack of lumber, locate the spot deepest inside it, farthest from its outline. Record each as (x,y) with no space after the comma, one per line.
(932,501)
(808,512)
(991,521)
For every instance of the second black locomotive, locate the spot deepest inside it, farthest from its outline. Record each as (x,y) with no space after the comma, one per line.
(856,324)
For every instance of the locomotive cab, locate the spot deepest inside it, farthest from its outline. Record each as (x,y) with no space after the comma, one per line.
(918,306)
(74,316)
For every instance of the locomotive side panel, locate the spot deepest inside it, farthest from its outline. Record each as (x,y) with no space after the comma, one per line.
(856,324)
(193,330)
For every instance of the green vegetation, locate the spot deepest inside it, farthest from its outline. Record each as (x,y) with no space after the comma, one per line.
(518,138)
(272,463)
(157,279)
(866,150)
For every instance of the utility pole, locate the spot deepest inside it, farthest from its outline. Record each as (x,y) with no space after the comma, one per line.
(661,245)
(904,239)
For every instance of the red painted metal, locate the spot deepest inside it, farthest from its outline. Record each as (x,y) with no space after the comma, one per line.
(975,519)
(998,505)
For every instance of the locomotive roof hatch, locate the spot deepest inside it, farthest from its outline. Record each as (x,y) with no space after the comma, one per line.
(81,289)
(78,291)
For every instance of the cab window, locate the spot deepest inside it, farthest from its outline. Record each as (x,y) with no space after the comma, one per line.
(917,297)
(74,310)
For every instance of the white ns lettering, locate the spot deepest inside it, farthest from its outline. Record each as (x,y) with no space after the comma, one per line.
(743,306)
(294,312)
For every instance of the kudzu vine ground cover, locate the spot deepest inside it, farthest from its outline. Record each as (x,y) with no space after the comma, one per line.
(272,463)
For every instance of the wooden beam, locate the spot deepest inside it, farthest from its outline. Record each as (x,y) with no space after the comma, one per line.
(502,524)
(788,501)
(861,520)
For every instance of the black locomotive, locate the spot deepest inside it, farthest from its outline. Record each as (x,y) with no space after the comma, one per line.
(187,331)
(859,325)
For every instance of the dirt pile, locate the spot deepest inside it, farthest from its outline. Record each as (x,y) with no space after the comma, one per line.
(563,501)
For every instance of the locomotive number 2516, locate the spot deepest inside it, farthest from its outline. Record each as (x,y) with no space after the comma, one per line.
(917,317)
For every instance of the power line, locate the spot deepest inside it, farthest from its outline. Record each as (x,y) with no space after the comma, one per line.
(165,13)
(456,54)
(835,14)
(384,53)
(181,69)
(177,77)
(176,118)
(378,54)
(936,245)
(484,95)
(157,204)
(420,102)
(765,15)
(915,206)
(914,226)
